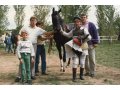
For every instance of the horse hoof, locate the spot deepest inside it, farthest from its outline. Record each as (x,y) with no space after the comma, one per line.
(63,70)
(67,65)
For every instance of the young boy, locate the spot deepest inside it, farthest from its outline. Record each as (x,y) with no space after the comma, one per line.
(25,52)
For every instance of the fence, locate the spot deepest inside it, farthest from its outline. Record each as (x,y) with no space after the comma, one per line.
(109,39)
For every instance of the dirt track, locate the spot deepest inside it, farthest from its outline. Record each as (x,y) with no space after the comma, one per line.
(9,66)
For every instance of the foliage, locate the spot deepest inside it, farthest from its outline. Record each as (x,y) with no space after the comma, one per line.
(106,17)
(19,17)
(41,12)
(69,11)
(117,26)
(3,17)
(101,20)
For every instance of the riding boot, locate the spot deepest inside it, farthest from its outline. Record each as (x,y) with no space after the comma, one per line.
(81,73)
(74,74)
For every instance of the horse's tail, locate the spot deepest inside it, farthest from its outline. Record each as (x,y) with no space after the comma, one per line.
(50,45)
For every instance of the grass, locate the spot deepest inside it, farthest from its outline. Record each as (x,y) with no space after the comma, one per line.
(108,54)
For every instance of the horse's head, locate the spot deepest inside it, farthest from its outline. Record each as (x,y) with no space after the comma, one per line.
(56,20)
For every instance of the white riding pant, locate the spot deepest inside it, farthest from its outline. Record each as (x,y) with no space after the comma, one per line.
(75,61)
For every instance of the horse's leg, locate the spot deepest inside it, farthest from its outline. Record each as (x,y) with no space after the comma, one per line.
(68,62)
(50,45)
(14,50)
(64,58)
(60,56)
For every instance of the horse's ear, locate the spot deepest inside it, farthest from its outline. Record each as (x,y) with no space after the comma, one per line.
(59,11)
(53,10)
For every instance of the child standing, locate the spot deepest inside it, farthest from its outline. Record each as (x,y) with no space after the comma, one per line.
(25,52)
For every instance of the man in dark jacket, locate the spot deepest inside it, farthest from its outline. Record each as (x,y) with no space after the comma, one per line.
(90,59)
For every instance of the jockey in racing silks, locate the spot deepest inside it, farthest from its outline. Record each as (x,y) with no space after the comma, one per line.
(74,50)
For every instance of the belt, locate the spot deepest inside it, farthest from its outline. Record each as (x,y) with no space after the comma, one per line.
(25,53)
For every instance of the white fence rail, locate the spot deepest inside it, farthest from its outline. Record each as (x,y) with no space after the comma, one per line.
(111,38)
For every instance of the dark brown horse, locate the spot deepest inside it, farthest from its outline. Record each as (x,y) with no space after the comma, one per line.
(59,38)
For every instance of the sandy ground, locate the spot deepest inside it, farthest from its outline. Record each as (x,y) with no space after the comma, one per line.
(9,68)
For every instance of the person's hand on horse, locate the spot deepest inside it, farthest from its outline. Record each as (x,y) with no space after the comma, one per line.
(66,27)
(51,36)
(47,34)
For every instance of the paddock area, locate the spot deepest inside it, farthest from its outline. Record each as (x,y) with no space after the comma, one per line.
(107,70)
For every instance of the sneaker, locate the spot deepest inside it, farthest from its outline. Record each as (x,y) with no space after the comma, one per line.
(17,79)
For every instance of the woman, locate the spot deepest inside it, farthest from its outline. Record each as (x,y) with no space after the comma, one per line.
(74,50)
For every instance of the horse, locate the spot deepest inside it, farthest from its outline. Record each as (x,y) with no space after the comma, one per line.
(59,39)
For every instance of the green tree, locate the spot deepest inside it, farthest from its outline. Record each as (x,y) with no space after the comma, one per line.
(69,11)
(106,17)
(19,16)
(101,19)
(111,17)
(41,12)
(3,17)
(117,26)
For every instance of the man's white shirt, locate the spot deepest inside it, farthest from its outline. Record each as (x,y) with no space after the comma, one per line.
(33,33)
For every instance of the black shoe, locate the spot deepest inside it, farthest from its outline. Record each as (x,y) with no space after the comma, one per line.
(74,80)
(36,74)
(81,73)
(92,75)
(17,79)
(36,71)
(87,74)
(30,82)
(44,74)
(33,78)
(81,78)
(23,82)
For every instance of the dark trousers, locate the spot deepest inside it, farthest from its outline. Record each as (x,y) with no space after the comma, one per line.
(9,48)
(40,52)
